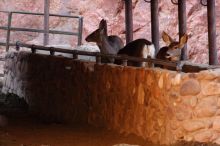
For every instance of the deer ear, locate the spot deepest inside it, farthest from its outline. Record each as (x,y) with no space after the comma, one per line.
(183,41)
(102,30)
(166,38)
(103,25)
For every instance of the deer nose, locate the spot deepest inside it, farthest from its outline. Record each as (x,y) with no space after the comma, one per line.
(87,39)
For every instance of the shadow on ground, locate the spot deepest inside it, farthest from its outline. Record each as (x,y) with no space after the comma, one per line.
(22,129)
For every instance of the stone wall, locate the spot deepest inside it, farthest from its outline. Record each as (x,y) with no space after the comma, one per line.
(159,105)
(49,85)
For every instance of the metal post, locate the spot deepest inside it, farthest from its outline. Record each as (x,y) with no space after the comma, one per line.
(212,32)
(128,21)
(8,31)
(80,29)
(182,25)
(46,21)
(155,24)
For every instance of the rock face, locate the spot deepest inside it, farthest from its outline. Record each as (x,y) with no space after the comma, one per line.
(155,104)
(93,11)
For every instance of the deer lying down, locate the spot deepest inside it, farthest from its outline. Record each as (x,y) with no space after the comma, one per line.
(137,48)
(171,52)
(107,44)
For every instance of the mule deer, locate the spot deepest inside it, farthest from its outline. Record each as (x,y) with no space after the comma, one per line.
(107,44)
(172,51)
(137,48)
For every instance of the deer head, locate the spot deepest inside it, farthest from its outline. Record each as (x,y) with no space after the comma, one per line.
(99,33)
(173,50)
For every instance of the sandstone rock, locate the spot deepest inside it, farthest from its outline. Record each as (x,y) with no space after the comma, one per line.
(203,136)
(141,94)
(182,112)
(168,82)
(189,138)
(190,87)
(218,102)
(160,82)
(211,88)
(113,11)
(207,107)
(176,80)
(194,125)
(217,141)
(216,124)
(174,124)
(207,75)
(174,96)
(108,85)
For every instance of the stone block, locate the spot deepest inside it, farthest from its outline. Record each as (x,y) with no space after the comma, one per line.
(190,87)
(141,94)
(203,135)
(211,88)
(194,125)
(216,124)
(206,107)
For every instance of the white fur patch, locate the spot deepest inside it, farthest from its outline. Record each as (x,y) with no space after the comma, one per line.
(149,50)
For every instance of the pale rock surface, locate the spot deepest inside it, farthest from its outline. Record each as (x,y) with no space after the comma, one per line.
(113,11)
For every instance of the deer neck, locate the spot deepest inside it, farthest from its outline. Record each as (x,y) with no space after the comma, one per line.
(105,46)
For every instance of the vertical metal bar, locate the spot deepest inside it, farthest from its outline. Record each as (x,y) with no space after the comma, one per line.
(212,32)
(98,59)
(155,24)
(182,25)
(8,31)
(128,21)
(125,62)
(46,21)
(80,29)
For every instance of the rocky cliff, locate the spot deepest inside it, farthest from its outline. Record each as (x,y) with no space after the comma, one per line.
(93,11)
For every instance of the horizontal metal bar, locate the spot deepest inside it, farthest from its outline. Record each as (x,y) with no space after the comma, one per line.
(38,30)
(4,44)
(77,52)
(40,14)
(4,12)
(62,32)
(2,59)
(4,27)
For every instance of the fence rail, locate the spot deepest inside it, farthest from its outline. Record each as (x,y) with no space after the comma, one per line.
(9,27)
(98,55)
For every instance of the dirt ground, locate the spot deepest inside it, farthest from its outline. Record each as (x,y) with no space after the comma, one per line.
(29,133)
(25,130)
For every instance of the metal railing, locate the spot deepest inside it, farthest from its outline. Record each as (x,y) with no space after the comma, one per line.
(9,27)
(177,65)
